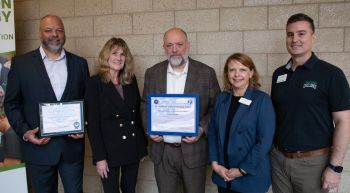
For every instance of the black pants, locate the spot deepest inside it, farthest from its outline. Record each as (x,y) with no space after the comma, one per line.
(127,180)
(44,177)
(225,190)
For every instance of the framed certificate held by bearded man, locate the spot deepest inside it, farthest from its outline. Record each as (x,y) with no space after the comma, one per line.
(173,114)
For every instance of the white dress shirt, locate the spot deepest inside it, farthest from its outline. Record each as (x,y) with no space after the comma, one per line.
(175,85)
(57,72)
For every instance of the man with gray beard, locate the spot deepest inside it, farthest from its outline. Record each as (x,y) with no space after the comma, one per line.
(180,159)
(47,74)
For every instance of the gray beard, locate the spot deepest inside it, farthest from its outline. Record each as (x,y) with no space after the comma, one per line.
(177,60)
(53,48)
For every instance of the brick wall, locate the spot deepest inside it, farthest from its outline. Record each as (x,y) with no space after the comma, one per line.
(216,28)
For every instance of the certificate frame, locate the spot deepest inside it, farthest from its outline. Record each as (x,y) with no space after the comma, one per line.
(150,111)
(77,126)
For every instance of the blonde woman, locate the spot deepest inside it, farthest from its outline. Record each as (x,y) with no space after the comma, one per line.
(114,124)
(241,130)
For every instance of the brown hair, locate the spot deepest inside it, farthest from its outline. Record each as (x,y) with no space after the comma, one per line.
(246,61)
(301,17)
(126,75)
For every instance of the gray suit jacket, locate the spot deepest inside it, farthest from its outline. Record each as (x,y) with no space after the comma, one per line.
(201,80)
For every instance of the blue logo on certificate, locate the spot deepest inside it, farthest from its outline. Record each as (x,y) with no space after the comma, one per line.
(76,125)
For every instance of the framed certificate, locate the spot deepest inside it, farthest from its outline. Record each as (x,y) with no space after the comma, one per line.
(61,118)
(173,114)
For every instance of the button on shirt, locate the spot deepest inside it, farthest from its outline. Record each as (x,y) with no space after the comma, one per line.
(57,72)
(175,85)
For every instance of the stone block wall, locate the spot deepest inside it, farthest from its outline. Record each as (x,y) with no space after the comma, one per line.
(216,29)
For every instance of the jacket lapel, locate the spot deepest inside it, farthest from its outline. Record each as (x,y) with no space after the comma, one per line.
(117,100)
(69,76)
(224,107)
(191,77)
(163,72)
(241,111)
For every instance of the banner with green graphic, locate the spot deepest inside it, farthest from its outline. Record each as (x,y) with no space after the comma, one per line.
(7,44)
(7,30)
(7,51)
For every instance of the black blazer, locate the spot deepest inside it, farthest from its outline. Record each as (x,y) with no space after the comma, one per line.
(114,124)
(28,85)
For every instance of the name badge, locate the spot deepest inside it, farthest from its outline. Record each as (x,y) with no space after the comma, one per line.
(245,101)
(281,78)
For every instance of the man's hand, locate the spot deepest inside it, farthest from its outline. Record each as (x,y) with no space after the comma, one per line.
(156,138)
(341,138)
(102,168)
(77,136)
(193,139)
(330,179)
(31,137)
(221,171)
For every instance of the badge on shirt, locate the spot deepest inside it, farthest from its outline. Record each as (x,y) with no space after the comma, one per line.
(281,78)
(245,101)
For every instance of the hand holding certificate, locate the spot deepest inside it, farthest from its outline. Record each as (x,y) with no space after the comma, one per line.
(61,118)
(173,114)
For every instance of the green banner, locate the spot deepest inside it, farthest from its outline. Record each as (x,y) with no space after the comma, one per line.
(7,51)
(7,27)
(7,44)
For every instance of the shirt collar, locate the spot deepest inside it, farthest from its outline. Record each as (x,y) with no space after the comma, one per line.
(309,64)
(43,54)
(171,70)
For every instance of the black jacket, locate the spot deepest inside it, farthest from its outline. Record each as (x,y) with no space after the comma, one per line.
(114,124)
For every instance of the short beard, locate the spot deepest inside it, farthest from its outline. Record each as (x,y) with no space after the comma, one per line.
(50,47)
(178,60)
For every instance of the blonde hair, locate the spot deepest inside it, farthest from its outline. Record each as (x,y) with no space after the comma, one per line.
(246,61)
(126,75)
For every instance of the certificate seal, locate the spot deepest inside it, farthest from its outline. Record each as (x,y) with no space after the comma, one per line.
(76,125)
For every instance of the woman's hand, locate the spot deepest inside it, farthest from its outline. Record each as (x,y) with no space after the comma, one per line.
(221,170)
(233,173)
(102,168)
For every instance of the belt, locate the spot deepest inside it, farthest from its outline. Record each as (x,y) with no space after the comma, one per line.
(302,154)
(174,145)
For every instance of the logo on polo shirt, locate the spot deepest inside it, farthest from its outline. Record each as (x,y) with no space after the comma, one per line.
(310,84)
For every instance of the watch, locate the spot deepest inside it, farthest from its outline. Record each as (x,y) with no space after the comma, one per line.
(337,169)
